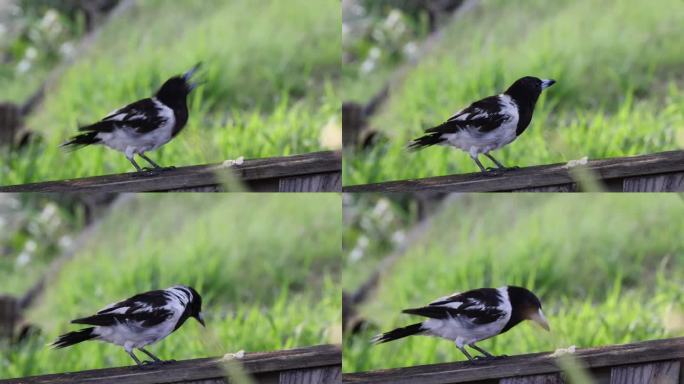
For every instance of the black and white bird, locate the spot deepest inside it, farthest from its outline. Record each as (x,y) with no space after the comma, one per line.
(468,317)
(144,125)
(139,321)
(488,124)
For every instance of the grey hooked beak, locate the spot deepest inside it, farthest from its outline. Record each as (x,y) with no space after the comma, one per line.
(200,318)
(539,318)
(187,75)
(547,83)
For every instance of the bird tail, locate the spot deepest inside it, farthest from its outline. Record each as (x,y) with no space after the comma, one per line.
(431,138)
(75,337)
(413,329)
(80,141)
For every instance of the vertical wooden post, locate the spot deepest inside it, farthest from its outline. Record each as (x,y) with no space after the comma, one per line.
(662,372)
(9,312)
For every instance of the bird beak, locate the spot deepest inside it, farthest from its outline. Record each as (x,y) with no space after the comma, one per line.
(187,75)
(200,318)
(547,83)
(539,318)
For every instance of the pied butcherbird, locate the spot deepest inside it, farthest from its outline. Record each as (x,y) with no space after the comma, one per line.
(488,124)
(468,317)
(144,125)
(141,320)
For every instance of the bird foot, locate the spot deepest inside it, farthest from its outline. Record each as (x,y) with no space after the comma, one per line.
(493,172)
(168,361)
(484,358)
(147,364)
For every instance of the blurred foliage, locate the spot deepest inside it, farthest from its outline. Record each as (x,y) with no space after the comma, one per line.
(377,36)
(374,225)
(608,268)
(34,229)
(618,91)
(34,37)
(267,267)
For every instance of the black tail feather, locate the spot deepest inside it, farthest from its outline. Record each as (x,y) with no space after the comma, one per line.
(398,333)
(426,141)
(75,337)
(81,140)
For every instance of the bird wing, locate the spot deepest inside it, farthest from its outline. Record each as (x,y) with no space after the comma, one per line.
(484,115)
(479,306)
(149,309)
(142,116)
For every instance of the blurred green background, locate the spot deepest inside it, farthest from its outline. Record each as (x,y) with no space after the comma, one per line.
(271,70)
(618,65)
(267,267)
(609,269)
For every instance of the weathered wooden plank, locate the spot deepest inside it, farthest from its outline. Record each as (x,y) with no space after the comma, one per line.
(322,182)
(524,365)
(536,176)
(664,372)
(328,375)
(534,379)
(669,182)
(258,172)
(263,366)
(572,187)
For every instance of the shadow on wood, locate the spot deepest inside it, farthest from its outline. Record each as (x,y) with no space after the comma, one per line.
(311,365)
(312,172)
(650,362)
(660,172)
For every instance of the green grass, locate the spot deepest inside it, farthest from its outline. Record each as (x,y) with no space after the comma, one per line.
(619,89)
(608,269)
(267,267)
(270,69)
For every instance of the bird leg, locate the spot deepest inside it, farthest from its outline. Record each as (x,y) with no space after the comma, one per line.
(482,351)
(477,161)
(155,358)
(498,164)
(138,362)
(155,165)
(132,160)
(470,358)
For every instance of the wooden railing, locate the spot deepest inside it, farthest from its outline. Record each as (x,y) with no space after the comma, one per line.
(650,362)
(312,365)
(312,172)
(660,172)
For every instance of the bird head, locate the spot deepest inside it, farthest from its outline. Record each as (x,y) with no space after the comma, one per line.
(178,87)
(529,87)
(195,306)
(527,305)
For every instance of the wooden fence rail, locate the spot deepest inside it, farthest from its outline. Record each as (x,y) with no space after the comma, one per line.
(312,172)
(650,362)
(660,172)
(312,365)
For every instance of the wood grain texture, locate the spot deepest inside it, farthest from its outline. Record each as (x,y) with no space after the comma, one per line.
(664,372)
(329,375)
(264,367)
(322,182)
(257,172)
(669,182)
(536,176)
(524,365)
(534,379)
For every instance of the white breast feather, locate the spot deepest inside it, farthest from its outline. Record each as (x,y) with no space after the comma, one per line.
(463,331)
(471,140)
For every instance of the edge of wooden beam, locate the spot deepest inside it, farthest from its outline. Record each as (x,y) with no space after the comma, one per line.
(199,369)
(535,176)
(193,176)
(522,365)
